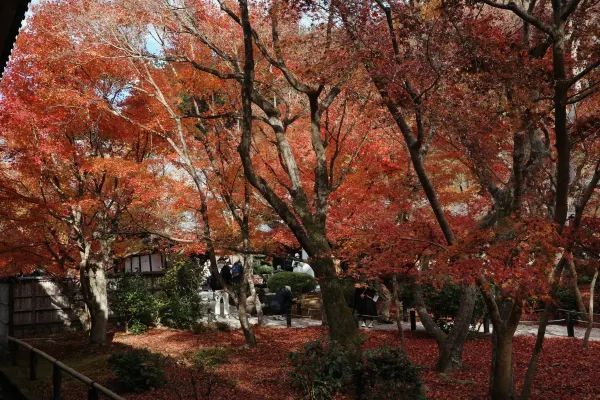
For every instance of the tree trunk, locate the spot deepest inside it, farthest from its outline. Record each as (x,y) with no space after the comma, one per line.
(539,341)
(588,330)
(563,142)
(578,296)
(450,357)
(501,383)
(342,327)
(243,315)
(254,295)
(399,308)
(450,347)
(93,283)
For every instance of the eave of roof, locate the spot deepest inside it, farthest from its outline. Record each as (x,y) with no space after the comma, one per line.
(12,13)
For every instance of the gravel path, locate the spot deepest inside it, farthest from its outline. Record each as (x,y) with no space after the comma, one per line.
(523,329)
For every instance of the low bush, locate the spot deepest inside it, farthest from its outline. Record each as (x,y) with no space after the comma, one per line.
(211,357)
(137,328)
(133,303)
(138,370)
(566,298)
(320,372)
(263,269)
(299,282)
(388,374)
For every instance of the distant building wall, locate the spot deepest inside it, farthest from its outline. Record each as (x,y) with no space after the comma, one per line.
(145,263)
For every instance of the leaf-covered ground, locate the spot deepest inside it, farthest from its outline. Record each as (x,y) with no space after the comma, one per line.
(566,370)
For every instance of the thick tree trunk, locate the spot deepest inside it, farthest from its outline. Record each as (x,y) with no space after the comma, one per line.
(450,347)
(342,327)
(502,383)
(93,283)
(450,357)
(505,315)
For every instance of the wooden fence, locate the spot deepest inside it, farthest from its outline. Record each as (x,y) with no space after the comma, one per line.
(94,389)
(33,306)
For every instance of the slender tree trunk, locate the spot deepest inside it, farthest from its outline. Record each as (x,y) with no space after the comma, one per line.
(254,294)
(243,315)
(588,330)
(399,308)
(563,143)
(574,278)
(539,341)
(247,277)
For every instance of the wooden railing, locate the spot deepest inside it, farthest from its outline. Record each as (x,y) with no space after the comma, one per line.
(94,389)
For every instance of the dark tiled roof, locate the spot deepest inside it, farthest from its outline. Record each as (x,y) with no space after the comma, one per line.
(12,13)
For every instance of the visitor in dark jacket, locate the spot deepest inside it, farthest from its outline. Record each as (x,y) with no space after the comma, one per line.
(226,273)
(365,307)
(284,298)
(237,272)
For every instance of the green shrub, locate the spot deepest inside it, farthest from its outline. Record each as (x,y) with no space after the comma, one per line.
(138,370)
(566,298)
(321,371)
(263,269)
(584,279)
(297,281)
(137,328)
(211,357)
(388,374)
(133,303)
(182,306)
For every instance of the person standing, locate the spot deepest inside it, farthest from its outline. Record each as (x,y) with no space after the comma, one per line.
(285,298)
(220,292)
(237,272)
(365,298)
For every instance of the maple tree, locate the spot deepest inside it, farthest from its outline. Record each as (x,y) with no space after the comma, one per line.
(428,141)
(80,176)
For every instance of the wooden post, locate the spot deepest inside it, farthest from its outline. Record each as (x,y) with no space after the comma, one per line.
(56,382)
(413,320)
(32,365)
(570,324)
(92,393)
(486,324)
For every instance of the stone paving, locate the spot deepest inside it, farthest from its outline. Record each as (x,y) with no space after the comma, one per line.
(277,321)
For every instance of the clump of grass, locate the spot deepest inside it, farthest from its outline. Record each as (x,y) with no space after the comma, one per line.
(211,357)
